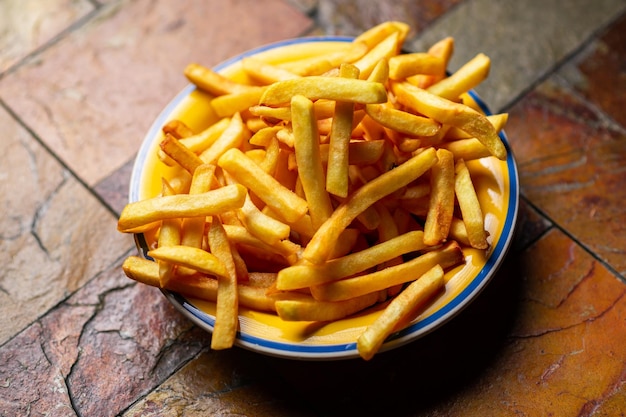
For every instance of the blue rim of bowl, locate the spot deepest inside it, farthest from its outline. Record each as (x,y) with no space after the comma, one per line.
(342,350)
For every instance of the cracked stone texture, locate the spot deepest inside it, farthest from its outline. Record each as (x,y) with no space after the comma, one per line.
(88,348)
(135,52)
(45,258)
(29,24)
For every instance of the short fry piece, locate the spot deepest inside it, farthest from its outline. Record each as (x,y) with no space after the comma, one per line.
(190,257)
(398,310)
(212,82)
(441,207)
(180,153)
(306,308)
(470,207)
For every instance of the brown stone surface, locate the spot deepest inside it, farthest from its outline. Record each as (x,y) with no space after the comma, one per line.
(27,25)
(99,90)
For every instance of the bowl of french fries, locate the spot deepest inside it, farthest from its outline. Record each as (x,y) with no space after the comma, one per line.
(324,198)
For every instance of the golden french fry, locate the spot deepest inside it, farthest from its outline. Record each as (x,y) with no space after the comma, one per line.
(339,140)
(398,310)
(180,153)
(196,286)
(213,202)
(169,235)
(454,114)
(320,87)
(401,121)
(464,79)
(321,244)
(466,149)
(309,161)
(264,227)
(177,128)
(264,72)
(231,137)
(380,72)
(321,64)
(190,257)
(471,211)
(306,308)
(448,256)
(387,48)
(227,304)
(497,120)
(441,205)
(308,275)
(263,185)
(406,65)
(211,81)
(442,49)
(229,104)
(199,142)
(380,32)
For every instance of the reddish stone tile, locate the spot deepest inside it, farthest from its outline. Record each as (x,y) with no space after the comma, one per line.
(531,225)
(96,353)
(114,188)
(600,73)
(353,17)
(99,89)
(572,168)
(27,25)
(232,382)
(54,235)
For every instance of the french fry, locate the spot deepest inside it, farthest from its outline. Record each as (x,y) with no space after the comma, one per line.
(180,153)
(264,72)
(308,275)
(320,87)
(471,211)
(448,256)
(266,187)
(407,65)
(264,227)
(441,205)
(232,137)
(211,81)
(229,104)
(420,290)
(213,202)
(387,48)
(464,79)
(227,303)
(401,121)
(306,308)
(190,257)
(310,170)
(197,143)
(454,114)
(380,32)
(339,140)
(321,244)
(169,235)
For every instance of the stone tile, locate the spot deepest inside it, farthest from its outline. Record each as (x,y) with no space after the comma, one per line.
(525,40)
(232,382)
(100,88)
(599,74)
(27,25)
(572,168)
(531,225)
(55,236)
(353,17)
(564,352)
(114,189)
(110,343)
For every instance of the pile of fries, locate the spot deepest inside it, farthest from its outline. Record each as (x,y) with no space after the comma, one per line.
(329,185)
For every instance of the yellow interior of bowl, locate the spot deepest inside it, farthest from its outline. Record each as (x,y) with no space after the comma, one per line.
(490,177)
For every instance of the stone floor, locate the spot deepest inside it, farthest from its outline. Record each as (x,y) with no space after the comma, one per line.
(82,80)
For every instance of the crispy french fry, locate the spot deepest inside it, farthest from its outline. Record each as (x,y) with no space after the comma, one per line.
(339,140)
(213,202)
(266,187)
(406,65)
(319,87)
(420,290)
(466,149)
(264,227)
(211,81)
(471,211)
(380,32)
(169,235)
(227,305)
(401,121)
(199,142)
(229,104)
(441,206)
(190,257)
(264,72)
(310,170)
(180,153)
(387,48)
(308,275)
(306,308)
(454,114)
(448,256)
(231,137)
(321,244)
(464,79)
